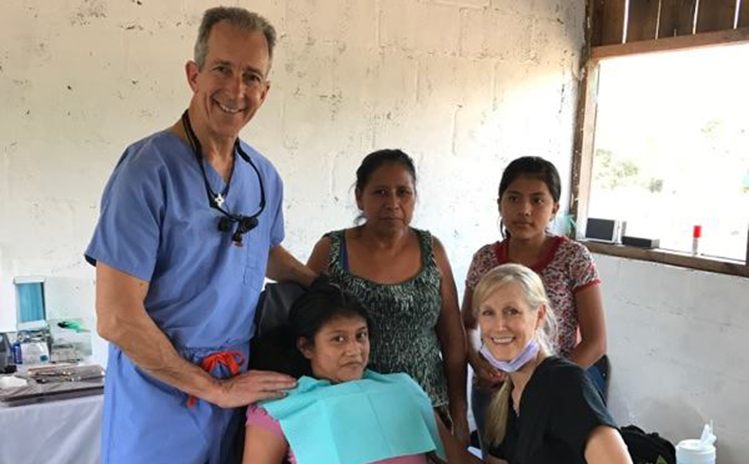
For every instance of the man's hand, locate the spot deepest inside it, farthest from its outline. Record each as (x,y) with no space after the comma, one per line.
(251,387)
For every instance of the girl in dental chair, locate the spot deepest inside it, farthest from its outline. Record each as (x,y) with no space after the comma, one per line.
(340,412)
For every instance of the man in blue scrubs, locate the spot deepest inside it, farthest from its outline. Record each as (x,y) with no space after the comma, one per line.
(191,223)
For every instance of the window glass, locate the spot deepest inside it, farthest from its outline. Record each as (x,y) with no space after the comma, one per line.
(671,148)
(30,301)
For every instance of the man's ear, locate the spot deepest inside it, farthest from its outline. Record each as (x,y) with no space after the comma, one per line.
(555,209)
(265,92)
(191,72)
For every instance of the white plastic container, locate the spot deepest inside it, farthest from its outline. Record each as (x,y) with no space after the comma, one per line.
(695,451)
(35,352)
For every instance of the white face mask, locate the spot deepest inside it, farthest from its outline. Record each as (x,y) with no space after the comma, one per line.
(529,352)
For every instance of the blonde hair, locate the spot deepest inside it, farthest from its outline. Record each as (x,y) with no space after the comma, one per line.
(535,296)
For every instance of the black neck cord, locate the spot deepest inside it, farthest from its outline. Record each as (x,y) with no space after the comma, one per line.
(213,197)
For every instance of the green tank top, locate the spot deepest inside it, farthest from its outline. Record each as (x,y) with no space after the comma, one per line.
(404,317)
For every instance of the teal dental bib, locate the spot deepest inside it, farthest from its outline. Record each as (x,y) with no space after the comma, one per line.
(358,422)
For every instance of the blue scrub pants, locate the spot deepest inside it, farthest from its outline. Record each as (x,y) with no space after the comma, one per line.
(148,421)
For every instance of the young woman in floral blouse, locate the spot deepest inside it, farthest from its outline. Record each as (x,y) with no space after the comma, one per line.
(528,200)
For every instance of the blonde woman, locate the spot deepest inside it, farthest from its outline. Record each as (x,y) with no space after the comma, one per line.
(548,410)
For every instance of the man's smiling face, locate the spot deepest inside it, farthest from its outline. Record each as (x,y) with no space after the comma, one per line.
(232,83)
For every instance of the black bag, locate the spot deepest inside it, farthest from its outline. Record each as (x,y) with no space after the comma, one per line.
(646,448)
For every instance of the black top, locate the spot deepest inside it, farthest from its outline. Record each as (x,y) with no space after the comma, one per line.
(559,409)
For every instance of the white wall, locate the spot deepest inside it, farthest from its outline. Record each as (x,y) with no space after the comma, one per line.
(462,85)
(679,349)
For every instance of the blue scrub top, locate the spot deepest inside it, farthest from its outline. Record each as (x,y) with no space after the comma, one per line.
(156,225)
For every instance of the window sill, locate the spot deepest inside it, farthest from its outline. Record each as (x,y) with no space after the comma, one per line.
(668,257)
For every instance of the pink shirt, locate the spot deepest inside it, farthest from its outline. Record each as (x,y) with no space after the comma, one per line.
(566,269)
(258,416)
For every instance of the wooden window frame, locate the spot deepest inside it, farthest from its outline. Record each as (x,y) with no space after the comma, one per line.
(582,160)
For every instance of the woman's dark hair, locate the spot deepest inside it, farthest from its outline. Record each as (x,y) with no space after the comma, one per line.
(534,167)
(374,160)
(277,350)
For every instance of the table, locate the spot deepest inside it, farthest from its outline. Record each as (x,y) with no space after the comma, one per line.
(52,432)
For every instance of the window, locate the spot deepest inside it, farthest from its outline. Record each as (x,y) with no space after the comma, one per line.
(663,130)
(30,306)
(670,148)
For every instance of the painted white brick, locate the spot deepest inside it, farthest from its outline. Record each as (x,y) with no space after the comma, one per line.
(554,45)
(455,80)
(494,34)
(462,85)
(465,3)
(677,340)
(420,27)
(393,81)
(536,8)
(353,22)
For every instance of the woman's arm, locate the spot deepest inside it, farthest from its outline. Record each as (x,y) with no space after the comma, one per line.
(592,327)
(456,453)
(319,259)
(469,324)
(263,446)
(466,310)
(606,446)
(453,345)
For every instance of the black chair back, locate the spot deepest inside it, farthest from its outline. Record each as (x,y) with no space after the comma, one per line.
(272,347)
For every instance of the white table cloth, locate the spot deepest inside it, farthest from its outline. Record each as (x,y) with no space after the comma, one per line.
(52,432)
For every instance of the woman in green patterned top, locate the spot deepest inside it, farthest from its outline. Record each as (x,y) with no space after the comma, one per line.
(403,278)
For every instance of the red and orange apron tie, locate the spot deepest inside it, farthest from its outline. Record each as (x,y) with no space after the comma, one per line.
(230,359)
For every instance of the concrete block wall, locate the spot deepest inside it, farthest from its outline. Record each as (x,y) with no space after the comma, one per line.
(679,349)
(463,86)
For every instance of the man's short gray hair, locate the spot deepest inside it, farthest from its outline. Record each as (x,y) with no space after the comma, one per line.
(244,20)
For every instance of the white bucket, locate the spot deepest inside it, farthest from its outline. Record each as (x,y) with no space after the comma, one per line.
(694,451)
